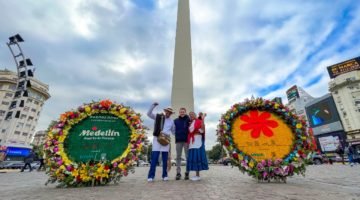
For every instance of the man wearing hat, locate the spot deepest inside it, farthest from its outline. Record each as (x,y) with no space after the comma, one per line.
(163,125)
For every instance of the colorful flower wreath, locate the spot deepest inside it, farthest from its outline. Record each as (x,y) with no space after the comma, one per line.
(265,139)
(67,172)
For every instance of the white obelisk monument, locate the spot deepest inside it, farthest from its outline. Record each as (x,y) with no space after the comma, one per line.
(182,94)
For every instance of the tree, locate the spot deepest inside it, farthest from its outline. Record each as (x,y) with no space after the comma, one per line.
(217,152)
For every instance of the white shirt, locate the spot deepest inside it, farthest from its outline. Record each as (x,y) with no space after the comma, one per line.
(197,138)
(168,129)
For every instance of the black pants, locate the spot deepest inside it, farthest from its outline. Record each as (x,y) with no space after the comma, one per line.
(26,164)
(42,164)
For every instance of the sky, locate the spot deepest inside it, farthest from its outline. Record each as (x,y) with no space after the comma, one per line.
(123,50)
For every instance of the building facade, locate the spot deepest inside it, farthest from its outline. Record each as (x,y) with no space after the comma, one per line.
(20,130)
(345,89)
(297,100)
(39,138)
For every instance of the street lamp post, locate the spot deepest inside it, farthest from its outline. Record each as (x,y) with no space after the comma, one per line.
(25,71)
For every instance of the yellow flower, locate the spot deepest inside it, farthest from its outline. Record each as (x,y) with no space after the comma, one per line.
(122,110)
(298,126)
(241,157)
(75,173)
(122,166)
(87,109)
(251,164)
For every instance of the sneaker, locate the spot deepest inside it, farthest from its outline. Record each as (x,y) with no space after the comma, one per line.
(186,176)
(195,178)
(150,180)
(178,176)
(165,178)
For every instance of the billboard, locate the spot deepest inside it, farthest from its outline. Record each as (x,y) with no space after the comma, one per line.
(344,67)
(322,112)
(292,93)
(329,143)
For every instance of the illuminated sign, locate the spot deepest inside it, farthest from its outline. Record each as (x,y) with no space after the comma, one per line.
(292,93)
(344,67)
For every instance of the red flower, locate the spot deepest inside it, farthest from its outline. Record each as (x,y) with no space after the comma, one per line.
(258,123)
(105,103)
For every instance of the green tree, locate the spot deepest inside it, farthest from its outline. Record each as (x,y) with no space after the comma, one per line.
(217,152)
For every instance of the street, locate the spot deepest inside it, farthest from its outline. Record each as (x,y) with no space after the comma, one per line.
(325,182)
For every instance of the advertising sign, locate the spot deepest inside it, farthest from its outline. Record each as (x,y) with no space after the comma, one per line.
(292,93)
(322,112)
(344,67)
(329,143)
(98,137)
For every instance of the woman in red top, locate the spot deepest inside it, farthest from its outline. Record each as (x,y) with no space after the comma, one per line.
(197,160)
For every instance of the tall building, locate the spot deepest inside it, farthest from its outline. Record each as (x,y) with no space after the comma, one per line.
(345,89)
(297,100)
(20,130)
(39,138)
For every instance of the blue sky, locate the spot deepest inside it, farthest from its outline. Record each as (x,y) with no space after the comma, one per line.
(123,50)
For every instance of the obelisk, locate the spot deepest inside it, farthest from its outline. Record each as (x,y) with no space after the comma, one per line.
(182,94)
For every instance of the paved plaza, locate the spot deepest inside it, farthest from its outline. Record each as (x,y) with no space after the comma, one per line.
(220,182)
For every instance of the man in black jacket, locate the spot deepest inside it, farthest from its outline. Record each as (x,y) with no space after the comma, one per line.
(28,160)
(181,134)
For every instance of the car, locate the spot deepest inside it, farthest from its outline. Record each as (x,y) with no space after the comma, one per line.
(183,162)
(14,165)
(318,159)
(143,163)
(226,161)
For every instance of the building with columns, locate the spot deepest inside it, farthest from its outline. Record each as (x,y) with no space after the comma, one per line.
(345,89)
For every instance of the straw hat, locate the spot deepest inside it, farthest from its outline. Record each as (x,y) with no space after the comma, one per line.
(169,109)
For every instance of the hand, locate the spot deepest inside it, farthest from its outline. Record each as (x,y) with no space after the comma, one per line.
(155,103)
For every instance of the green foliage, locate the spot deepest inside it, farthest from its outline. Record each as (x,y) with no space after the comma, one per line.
(217,152)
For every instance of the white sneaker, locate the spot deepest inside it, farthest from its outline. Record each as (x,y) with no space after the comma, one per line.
(195,178)
(165,178)
(150,180)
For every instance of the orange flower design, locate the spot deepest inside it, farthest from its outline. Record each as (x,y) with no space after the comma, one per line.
(258,123)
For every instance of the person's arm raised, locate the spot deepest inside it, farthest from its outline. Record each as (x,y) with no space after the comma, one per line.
(150,112)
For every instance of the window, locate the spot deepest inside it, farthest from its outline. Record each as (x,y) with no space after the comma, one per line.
(26,108)
(2,112)
(5,103)
(3,131)
(12,87)
(33,110)
(30,118)
(22,116)
(36,102)
(20,125)
(29,100)
(335,92)
(25,134)
(8,95)
(28,125)
(17,132)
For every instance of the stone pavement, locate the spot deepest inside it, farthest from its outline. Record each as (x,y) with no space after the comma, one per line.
(324,182)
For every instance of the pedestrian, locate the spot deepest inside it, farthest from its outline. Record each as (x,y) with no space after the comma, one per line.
(350,154)
(197,160)
(42,163)
(340,152)
(164,126)
(28,160)
(181,134)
